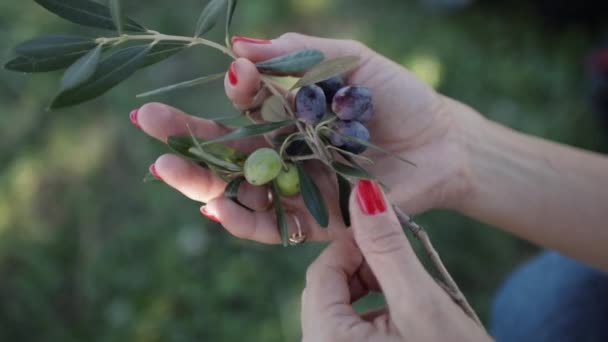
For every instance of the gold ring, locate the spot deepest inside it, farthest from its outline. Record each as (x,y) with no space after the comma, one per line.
(298,237)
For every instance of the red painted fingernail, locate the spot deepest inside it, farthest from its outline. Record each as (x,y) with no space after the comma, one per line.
(236,39)
(208,215)
(133,117)
(370,197)
(153,172)
(232,74)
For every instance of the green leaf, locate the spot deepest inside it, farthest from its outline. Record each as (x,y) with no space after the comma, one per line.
(292,63)
(43,64)
(229,15)
(117,15)
(273,109)
(110,72)
(162,51)
(149,178)
(232,191)
(82,70)
(282,225)
(209,16)
(251,131)
(376,147)
(344,190)
(351,171)
(55,45)
(182,85)
(87,13)
(312,197)
(328,69)
(215,154)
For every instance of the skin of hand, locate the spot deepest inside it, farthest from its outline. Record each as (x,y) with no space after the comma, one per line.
(410,120)
(378,258)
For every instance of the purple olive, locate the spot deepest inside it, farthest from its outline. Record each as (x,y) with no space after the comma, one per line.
(310,104)
(331,86)
(353,103)
(345,129)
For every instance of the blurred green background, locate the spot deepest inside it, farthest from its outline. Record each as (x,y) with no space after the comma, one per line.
(88,252)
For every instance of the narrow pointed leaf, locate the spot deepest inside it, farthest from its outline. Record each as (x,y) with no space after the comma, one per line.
(117,15)
(149,178)
(344,190)
(229,15)
(312,197)
(292,63)
(282,225)
(55,45)
(376,147)
(232,191)
(87,13)
(184,145)
(327,69)
(43,64)
(162,51)
(351,171)
(82,70)
(251,131)
(183,85)
(209,17)
(273,109)
(110,72)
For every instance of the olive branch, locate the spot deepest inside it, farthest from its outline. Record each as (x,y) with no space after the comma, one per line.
(93,66)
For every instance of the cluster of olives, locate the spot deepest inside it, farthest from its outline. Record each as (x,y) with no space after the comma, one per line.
(352,105)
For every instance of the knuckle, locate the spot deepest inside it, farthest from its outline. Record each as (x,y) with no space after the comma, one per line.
(384,242)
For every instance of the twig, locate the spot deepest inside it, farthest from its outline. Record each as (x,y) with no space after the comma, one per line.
(448,284)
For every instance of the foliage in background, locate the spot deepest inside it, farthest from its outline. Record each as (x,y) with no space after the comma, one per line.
(87,252)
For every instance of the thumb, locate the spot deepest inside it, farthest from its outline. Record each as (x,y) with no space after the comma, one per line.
(386,249)
(258,50)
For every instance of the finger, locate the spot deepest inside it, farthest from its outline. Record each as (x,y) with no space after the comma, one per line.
(290,42)
(387,250)
(362,283)
(242,82)
(260,226)
(373,314)
(200,184)
(322,304)
(161,122)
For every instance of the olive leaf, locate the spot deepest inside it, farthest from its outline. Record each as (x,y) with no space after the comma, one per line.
(232,191)
(292,63)
(282,225)
(54,45)
(117,15)
(82,70)
(328,69)
(110,72)
(149,178)
(314,201)
(351,171)
(208,17)
(344,190)
(273,109)
(375,147)
(161,51)
(251,131)
(44,64)
(217,155)
(88,13)
(182,85)
(229,15)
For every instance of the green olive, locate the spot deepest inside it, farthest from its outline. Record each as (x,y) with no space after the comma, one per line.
(262,166)
(288,181)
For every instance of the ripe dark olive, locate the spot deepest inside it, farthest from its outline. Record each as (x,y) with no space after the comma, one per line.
(331,86)
(345,129)
(310,104)
(353,103)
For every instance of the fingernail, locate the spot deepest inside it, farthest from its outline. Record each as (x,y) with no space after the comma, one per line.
(232,74)
(153,172)
(133,117)
(236,39)
(370,197)
(208,215)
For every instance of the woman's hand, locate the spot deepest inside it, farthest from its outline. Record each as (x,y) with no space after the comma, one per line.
(410,120)
(379,258)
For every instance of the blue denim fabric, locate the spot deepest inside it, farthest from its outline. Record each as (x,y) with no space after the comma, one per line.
(552,298)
